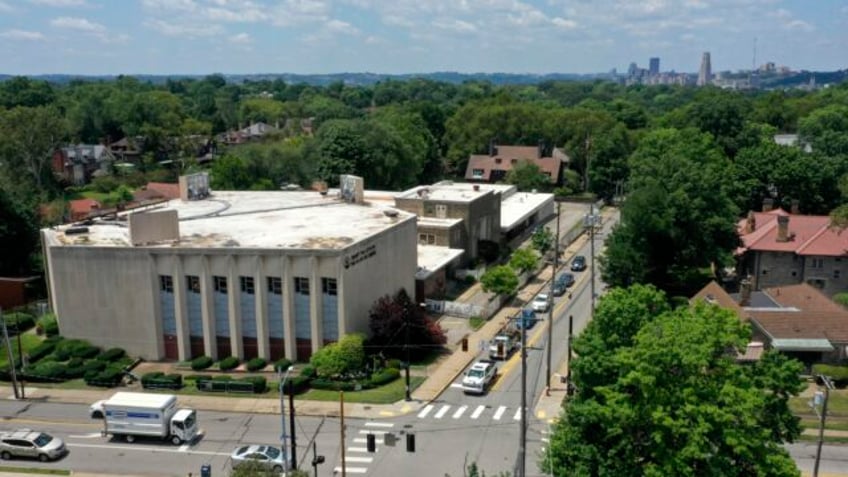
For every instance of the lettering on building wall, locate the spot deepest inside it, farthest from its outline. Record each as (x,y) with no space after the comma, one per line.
(353,259)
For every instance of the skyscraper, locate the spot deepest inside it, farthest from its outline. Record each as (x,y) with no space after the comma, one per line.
(705,74)
(654,68)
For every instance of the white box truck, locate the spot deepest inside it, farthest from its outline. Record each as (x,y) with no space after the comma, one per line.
(132,415)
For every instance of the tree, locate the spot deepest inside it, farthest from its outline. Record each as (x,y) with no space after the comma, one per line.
(340,358)
(528,176)
(18,236)
(500,280)
(28,139)
(678,220)
(387,321)
(675,401)
(231,173)
(523,260)
(826,130)
(542,239)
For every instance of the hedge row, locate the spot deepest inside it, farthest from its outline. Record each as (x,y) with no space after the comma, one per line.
(251,384)
(160,380)
(377,379)
(19,322)
(228,363)
(837,374)
(256,364)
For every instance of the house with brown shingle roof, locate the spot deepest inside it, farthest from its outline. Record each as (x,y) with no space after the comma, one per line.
(780,248)
(797,320)
(494,166)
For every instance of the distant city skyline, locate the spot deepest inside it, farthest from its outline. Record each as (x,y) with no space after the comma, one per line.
(97,37)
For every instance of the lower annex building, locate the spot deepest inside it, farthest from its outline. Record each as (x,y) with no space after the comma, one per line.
(245,274)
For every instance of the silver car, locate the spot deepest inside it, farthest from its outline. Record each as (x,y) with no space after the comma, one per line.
(267,456)
(32,444)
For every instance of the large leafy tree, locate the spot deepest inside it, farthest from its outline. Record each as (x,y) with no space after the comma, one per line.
(18,235)
(678,219)
(528,176)
(826,130)
(28,139)
(673,399)
(501,280)
(388,318)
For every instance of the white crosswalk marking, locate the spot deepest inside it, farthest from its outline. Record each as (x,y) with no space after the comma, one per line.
(478,411)
(459,412)
(499,413)
(362,460)
(357,449)
(363,440)
(442,411)
(379,424)
(373,431)
(351,470)
(517,415)
(425,411)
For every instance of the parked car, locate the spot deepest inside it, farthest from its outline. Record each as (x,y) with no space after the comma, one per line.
(32,444)
(95,411)
(541,303)
(527,319)
(267,456)
(562,283)
(479,376)
(578,264)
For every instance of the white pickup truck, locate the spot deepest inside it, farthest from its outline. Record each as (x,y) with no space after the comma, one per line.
(502,346)
(479,376)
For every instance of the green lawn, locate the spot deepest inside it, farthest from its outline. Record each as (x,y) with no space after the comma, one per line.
(837,411)
(29,341)
(387,394)
(30,470)
(88,194)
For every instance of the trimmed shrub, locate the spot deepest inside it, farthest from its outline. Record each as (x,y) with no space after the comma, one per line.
(228,363)
(260,384)
(160,380)
(75,362)
(74,372)
(222,377)
(109,378)
(385,376)
(112,354)
(308,372)
(282,364)
(394,364)
(46,372)
(77,349)
(93,365)
(47,325)
(41,351)
(837,374)
(331,385)
(19,322)
(256,364)
(201,362)
(296,385)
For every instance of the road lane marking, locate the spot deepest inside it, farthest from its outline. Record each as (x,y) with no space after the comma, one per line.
(459,412)
(478,411)
(184,447)
(517,416)
(351,470)
(456,385)
(361,460)
(373,431)
(92,435)
(363,440)
(499,413)
(425,411)
(442,411)
(357,449)
(379,424)
(169,450)
(387,413)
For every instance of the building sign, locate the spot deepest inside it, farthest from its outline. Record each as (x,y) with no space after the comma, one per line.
(353,259)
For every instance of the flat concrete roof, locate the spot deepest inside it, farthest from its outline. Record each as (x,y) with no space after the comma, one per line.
(520,205)
(432,258)
(436,223)
(254,219)
(454,191)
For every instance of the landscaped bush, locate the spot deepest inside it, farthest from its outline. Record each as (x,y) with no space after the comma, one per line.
(45,372)
(332,385)
(109,377)
(256,364)
(77,349)
(251,384)
(74,372)
(41,351)
(201,362)
(837,374)
(296,385)
(393,364)
(385,376)
(112,354)
(94,365)
(222,377)
(308,372)
(281,365)
(47,325)
(75,362)
(260,384)
(197,377)
(19,322)
(160,380)
(228,363)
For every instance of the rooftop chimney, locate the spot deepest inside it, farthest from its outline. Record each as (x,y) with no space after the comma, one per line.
(751,223)
(795,207)
(493,149)
(768,204)
(782,228)
(745,292)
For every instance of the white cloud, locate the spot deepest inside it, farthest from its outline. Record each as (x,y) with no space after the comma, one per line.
(339,26)
(5,7)
(22,35)
(75,23)
(184,30)
(241,39)
(60,3)
(564,23)
(459,26)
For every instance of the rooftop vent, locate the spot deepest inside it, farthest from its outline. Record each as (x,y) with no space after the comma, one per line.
(390,213)
(76,230)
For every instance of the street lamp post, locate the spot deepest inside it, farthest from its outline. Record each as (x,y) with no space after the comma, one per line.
(283,380)
(828,385)
(551,311)
(406,348)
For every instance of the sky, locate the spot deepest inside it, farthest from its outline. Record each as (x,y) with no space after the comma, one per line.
(98,37)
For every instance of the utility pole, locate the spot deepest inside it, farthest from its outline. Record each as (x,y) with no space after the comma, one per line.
(592,254)
(341,413)
(828,385)
(522,446)
(406,348)
(551,311)
(283,378)
(11,356)
(568,386)
(291,428)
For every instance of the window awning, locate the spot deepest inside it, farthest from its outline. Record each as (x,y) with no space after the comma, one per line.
(819,344)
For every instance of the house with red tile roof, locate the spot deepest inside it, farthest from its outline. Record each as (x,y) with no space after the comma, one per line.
(82,208)
(494,166)
(780,248)
(797,320)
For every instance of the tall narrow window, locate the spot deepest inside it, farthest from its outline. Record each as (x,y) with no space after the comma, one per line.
(330,309)
(302,311)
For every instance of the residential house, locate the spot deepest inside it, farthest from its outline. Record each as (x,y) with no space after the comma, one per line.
(81,209)
(127,150)
(253,132)
(80,163)
(157,191)
(798,320)
(780,248)
(494,166)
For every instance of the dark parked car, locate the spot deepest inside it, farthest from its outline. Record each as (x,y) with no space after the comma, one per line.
(578,264)
(562,283)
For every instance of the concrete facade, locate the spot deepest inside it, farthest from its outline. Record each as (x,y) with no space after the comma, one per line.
(280,276)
